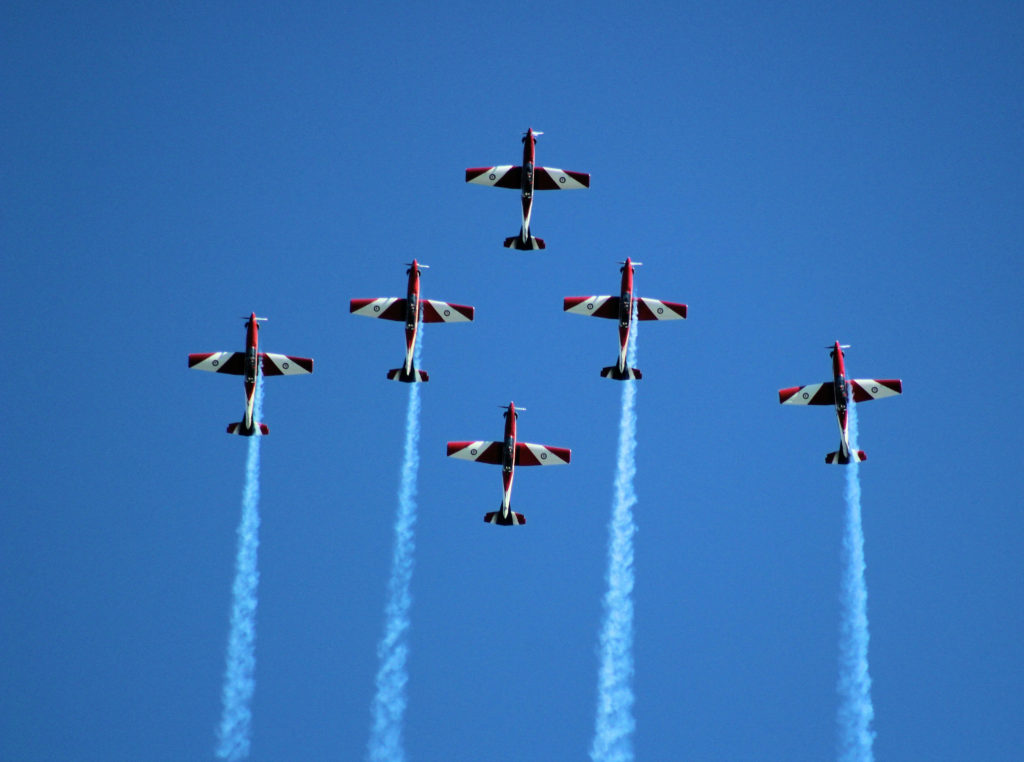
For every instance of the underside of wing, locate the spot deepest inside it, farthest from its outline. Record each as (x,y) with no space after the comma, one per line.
(481,452)
(812,394)
(285,365)
(865,389)
(528,454)
(598,306)
(219,362)
(388,307)
(655,309)
(549,178)
(443,312)
(506,176)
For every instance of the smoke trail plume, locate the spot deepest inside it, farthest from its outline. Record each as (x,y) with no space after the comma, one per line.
(389,702)
(236,695)
(615,724)
(855,709)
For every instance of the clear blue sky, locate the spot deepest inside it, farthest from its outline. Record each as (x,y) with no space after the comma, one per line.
(796,174)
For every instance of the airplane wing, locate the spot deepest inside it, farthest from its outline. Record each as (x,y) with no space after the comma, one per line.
(443,312)
(219,362)
(812,394)
(481,452)
(655,309)
(865,389)
(284,365)
(389,307)
(598,306)
(549,178)
(506,176)
(528,454)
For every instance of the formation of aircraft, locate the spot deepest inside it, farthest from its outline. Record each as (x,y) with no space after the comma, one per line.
(248,364)
(626,307)
(412,310)
(509,454)
(621,308)
(837,392)
(527,178)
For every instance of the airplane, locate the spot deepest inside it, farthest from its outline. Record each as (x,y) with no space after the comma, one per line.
(621,308)
(837,392)
(527,179)
(248,364)
(508,455)
(412,310)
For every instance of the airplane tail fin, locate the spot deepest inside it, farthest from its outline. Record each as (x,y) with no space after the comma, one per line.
(612,371)
(838,458)
(532,243)
(399,374)
(514,519)
(258,429)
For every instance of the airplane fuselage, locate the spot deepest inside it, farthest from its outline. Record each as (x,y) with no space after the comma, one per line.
(625,311)
(252,366)
(508,458)
(412,315)
(526,187)
(842,398)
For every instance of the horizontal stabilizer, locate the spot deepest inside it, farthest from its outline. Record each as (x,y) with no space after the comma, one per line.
(532,243)
(612,371)
(513,518)
(239,429)
(399,374)
(839,459)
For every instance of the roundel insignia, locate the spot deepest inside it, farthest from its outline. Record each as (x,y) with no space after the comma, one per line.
(473,451)
(805,395)
(590,305)
(216,363)
(284,365)
(376,308)
(447,313)
(543,456)
(874,390)
(490,176)
(661,310)
(561,179)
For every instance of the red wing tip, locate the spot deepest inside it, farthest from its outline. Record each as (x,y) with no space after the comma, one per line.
(785,394)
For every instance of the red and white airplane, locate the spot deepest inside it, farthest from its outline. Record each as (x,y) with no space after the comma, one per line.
(508,455)
(836,392)
(527,179)
(412,310)
(621,308)
(248,364)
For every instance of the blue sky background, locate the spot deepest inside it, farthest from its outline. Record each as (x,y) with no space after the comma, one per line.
(795,174)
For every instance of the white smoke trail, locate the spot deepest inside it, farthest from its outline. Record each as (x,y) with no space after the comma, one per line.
(855,709)
(389,702)
(236,695)
(615,723)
